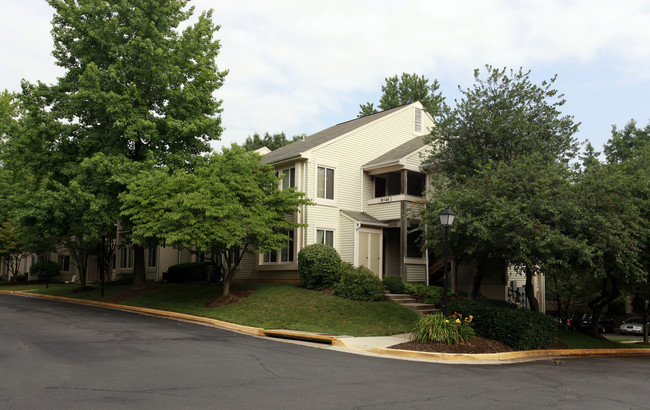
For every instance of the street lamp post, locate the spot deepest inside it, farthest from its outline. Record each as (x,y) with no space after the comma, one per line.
(446,219)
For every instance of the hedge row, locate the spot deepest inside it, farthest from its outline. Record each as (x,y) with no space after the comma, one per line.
(517,328)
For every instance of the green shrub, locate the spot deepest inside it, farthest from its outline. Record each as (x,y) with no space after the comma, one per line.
(185,272)
(437,328)
(393,284)
(359,284)
(45,270)
(425,294)
(319,266)
(519,329)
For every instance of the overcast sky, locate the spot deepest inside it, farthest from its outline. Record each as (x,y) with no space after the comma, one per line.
(302,66)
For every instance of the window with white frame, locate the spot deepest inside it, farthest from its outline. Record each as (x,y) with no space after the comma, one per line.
(289,178)
(325,183)
(285,255)
(325,237)
(151,257)
(126,257)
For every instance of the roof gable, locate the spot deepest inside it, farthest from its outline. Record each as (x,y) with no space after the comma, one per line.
(396,154)
(295,149)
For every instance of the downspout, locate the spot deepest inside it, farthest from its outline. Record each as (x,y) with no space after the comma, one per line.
(361,190)
(356,244)
(426,250)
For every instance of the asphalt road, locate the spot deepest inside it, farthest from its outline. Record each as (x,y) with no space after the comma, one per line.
(56,355)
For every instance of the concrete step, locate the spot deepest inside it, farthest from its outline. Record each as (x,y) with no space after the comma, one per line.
(401,298)
(409,302)
(419,307)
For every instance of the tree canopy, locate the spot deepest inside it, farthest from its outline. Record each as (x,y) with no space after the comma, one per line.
(500,118)
(406,89)
(269,141)
(229,205)
(500,162)
(136,87)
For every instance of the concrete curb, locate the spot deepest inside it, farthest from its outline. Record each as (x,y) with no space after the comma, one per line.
(510,357)
(485,358)
(150,312)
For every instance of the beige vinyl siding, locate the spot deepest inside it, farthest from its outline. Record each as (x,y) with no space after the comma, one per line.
(416,273)
(325,217)
(166,257)
(385,212)
(350,152)
(417,158)
(368,190)
(346,239)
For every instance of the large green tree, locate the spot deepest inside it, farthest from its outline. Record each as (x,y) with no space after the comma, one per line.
(613,225)
(509,213)
(501,117)
(229,205)
(503,124)
(406,89)
(135,86)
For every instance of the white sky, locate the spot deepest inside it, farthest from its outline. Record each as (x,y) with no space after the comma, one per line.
(301,66)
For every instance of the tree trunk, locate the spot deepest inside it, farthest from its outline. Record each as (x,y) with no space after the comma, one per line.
(530,290)
(607,295)
(477,278)
(139,269)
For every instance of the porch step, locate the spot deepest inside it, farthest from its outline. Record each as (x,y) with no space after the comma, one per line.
(409,302)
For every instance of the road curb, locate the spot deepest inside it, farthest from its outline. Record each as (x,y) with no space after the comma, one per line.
(510,357)
(466,358)
(150,312)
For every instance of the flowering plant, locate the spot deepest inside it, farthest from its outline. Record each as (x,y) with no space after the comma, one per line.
(437,328)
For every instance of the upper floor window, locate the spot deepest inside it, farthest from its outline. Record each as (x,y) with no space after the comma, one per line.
(325,183)
(289,178)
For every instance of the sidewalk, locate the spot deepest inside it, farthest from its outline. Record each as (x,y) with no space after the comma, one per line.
(374,346)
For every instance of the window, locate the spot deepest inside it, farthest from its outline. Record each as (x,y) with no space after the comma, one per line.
(325,237)
(380,187)
(151,258)
(64,263)
(126,257)
(415,183)
(418,120)
(284,255)
(325,183)
(289,178)
(388,184)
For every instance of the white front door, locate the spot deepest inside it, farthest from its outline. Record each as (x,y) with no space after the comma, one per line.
(370,250)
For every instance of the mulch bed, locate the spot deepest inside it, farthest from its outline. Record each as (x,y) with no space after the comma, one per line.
(232,297)
(476,345)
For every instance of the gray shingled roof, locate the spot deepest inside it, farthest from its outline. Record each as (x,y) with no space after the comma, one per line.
(298,147)
(363,217)
(398,153)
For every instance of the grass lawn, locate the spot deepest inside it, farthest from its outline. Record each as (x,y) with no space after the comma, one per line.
(272,306)
(577,340)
